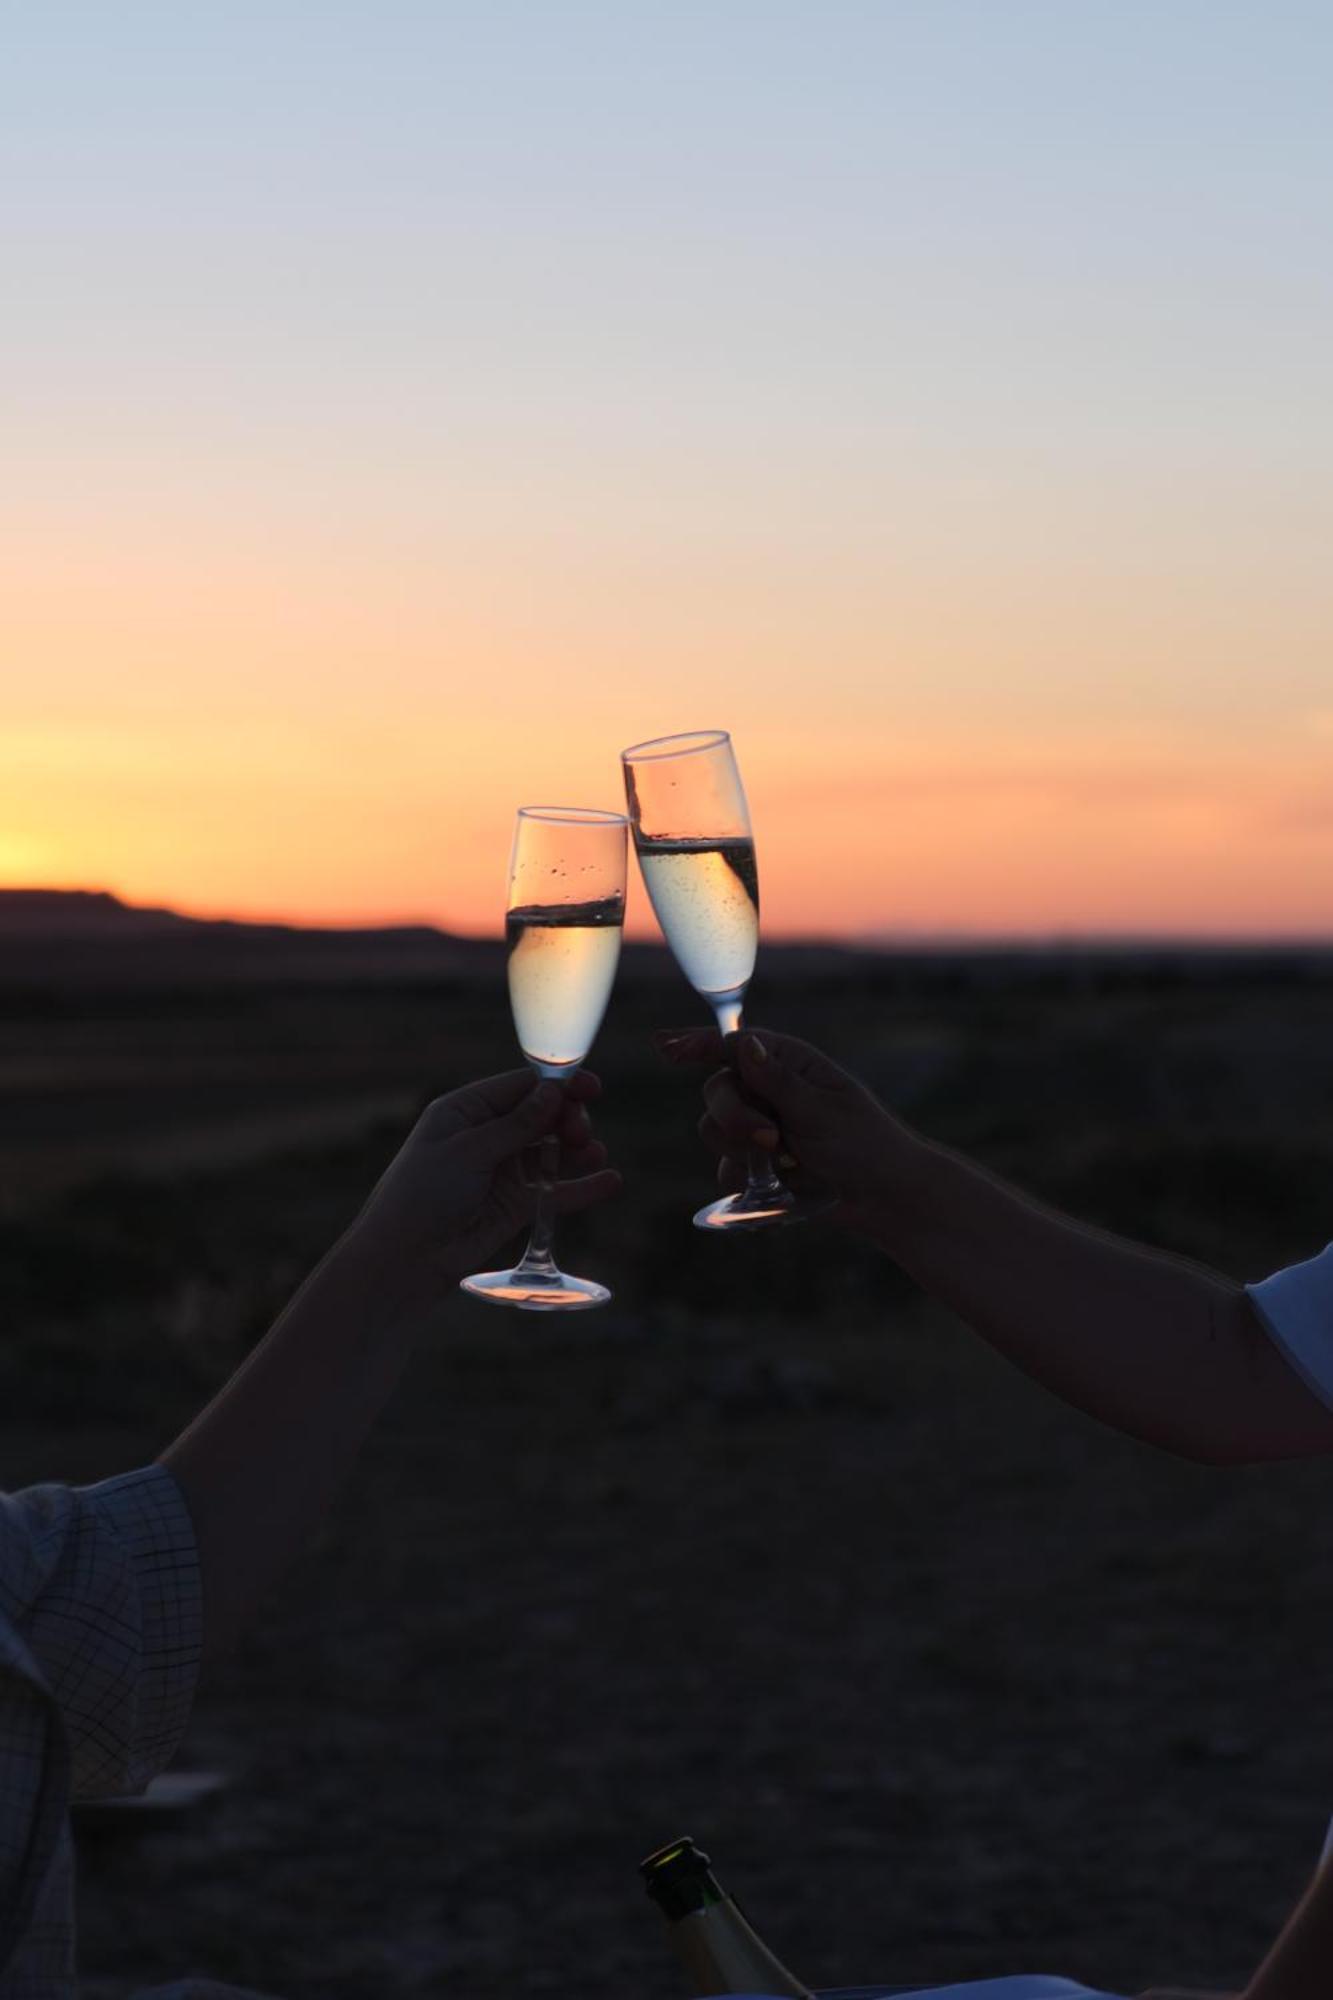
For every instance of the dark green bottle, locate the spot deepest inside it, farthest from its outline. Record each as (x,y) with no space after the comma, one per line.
(721,1953)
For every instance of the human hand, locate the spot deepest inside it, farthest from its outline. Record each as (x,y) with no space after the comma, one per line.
(784,1097)
(457,1190)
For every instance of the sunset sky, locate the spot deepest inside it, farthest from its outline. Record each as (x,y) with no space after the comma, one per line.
(406,405)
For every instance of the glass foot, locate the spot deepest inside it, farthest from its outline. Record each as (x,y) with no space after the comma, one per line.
(535,1291)
(762,1208)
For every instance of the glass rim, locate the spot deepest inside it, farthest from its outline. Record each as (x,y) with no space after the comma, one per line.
(686,744)
(573,815)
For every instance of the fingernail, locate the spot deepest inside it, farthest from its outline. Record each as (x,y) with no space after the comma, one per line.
(755,1049)
(788,1160)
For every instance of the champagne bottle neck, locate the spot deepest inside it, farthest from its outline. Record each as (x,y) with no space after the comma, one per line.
(723,1954)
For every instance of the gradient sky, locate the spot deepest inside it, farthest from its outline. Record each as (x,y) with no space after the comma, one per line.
(405,405)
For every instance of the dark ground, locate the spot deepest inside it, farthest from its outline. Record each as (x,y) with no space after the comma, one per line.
(949,1680)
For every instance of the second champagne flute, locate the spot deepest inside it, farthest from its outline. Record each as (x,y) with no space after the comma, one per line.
(563,926)
(696,851)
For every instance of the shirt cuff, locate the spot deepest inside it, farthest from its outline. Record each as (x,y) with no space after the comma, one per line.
(148,1514)
(1296,1307)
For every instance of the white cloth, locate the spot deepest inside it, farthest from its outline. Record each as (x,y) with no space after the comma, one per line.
(1296,1306)
(99,1652)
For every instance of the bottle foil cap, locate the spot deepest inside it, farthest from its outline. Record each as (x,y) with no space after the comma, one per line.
(679,1878)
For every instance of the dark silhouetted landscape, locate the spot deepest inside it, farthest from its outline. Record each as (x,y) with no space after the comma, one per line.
(949,1680)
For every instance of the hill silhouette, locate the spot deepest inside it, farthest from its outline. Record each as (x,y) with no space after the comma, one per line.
(89,936)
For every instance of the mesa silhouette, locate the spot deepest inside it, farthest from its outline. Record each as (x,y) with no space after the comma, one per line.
(69,937)
(89,938)
(84,938)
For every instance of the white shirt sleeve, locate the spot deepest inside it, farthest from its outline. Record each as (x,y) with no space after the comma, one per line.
(1296,1306)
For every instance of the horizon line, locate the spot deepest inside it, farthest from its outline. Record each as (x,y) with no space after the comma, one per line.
(881,938)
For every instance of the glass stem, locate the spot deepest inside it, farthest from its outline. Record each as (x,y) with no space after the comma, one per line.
(761,1183)
(538,1260)
(760,1178)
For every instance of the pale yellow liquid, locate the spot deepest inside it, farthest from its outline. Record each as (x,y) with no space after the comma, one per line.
(706,898)
(562,963)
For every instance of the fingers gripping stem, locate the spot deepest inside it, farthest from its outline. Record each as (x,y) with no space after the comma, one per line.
(761,1182)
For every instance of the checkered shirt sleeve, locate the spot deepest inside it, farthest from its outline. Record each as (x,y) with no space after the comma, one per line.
(101,1583)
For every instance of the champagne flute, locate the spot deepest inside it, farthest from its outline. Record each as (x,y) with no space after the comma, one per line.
(696,851)
(563,924)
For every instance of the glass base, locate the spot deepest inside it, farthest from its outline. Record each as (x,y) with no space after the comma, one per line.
(536,1291)
(762,1208)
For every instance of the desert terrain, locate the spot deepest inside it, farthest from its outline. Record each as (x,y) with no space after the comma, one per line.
(948,1679)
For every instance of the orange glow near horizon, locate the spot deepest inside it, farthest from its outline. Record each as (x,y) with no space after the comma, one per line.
(348,747)
(361,820)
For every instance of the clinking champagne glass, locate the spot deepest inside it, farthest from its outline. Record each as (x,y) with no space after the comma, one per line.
(563,925)
(692,835)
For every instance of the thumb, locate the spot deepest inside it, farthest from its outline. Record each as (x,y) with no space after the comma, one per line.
(498,1139)
(764,1072)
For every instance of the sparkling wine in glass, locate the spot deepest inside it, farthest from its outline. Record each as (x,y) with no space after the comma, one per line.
(696,852)
(563,927)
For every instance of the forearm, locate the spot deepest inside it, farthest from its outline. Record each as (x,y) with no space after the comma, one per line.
(260,1464)
(1300,1964)
(1155,1345)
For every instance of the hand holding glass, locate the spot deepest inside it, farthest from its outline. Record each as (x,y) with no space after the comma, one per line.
(563,927)
(692,835)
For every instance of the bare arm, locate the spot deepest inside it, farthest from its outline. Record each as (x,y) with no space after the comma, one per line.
(259,1465)
(1160,1347)
(1300,1964)
(1155,1345)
